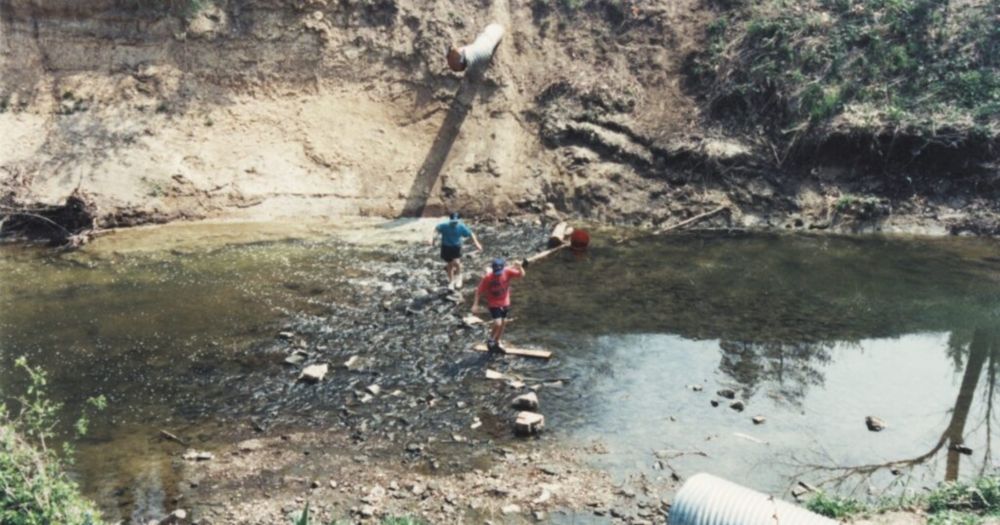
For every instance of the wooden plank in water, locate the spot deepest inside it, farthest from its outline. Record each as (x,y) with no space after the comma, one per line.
(522,352)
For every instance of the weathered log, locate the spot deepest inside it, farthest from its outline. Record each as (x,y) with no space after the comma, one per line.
(692,220)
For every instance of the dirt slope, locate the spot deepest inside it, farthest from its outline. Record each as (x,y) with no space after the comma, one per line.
(263,109)
(312,107)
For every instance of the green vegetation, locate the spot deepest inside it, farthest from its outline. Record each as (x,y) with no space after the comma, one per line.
(186,8)
(926,68)
(36,490)
(948,504)
(834,506)
(403,520)
(859,205)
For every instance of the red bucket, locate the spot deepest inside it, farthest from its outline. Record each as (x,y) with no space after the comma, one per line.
(579,240)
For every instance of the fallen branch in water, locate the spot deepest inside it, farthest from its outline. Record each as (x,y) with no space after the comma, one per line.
(167,435)
(692,220)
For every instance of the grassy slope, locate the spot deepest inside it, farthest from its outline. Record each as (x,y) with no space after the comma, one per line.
(804,70)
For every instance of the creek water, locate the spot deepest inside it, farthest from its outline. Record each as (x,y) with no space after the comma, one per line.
(813,332)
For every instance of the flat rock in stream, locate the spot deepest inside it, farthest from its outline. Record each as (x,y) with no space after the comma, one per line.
(528,423)
(314,373)
(527,401)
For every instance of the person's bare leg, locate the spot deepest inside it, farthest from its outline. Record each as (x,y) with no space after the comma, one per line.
(457,273)
(499,332)
(449,269)
(495,330)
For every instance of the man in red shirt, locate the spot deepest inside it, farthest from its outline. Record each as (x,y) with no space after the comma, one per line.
(496,287)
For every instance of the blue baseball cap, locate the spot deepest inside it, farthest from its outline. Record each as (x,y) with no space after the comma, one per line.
(498,265)
(453,216)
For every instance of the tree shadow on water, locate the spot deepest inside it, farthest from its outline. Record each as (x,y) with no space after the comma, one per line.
(430,170)
(979,349)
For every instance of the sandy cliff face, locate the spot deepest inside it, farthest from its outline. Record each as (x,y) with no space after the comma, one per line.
(199,108)
(276,108)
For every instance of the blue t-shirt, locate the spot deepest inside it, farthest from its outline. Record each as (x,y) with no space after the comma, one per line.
(452,233)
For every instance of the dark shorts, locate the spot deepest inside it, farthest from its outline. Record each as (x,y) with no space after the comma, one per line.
(499,313)
(450,253)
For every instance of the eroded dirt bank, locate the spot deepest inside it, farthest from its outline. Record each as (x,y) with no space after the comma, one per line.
(313,108)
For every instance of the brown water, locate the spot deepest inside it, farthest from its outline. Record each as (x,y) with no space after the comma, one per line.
(815,333)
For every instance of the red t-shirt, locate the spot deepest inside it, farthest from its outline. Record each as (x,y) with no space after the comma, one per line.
(496,288)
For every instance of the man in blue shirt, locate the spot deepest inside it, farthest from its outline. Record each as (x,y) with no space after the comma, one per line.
(453,233)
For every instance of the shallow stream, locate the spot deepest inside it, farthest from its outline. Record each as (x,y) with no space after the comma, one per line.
(812,332)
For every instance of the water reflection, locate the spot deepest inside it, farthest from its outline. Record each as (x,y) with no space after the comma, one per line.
(791,367)
(813,332)
(975,353)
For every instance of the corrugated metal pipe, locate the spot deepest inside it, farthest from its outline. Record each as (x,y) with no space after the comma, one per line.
(707,500)
(478,52)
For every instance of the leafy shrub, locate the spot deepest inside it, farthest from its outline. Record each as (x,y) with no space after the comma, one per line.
(36,490)
(983,495)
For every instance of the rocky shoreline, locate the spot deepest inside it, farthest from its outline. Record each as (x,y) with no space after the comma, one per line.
(405,420)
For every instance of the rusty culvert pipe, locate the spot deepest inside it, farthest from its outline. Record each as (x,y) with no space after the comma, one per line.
(478,52)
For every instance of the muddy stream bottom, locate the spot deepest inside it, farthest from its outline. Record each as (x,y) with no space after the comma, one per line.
(202,330)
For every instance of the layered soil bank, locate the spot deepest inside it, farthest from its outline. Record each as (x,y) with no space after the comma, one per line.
(262,110)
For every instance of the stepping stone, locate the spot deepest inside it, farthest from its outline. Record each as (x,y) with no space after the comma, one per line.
(528,423)
(314,373)
(527,401)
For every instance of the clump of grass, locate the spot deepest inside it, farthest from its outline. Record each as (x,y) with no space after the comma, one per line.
(953,503)
(981,496)
(835,507)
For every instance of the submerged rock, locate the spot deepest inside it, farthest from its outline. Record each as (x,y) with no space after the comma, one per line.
(727,393)
(875,424)
(737,405)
